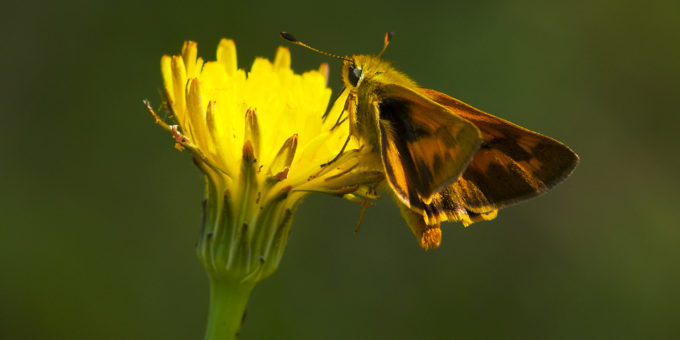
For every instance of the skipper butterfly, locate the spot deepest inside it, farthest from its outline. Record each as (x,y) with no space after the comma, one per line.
(443,160)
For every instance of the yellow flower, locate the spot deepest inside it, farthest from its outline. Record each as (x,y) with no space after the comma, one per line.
(263,141)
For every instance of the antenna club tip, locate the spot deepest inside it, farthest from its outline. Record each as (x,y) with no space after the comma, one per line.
(288,36)
(388,36)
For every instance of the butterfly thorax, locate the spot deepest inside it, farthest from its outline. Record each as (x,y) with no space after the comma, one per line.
(365,76)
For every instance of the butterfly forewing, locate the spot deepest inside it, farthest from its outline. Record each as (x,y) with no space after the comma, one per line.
(424,147)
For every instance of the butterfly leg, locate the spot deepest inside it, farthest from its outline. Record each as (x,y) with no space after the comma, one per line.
(341,117)
(364,205)
(339,153)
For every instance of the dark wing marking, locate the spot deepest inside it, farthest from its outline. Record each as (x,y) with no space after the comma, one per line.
(513,163)
(424,147)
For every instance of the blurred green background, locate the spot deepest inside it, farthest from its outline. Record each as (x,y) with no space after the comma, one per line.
(99,214)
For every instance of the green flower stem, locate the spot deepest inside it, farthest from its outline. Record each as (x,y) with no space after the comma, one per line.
(228,300)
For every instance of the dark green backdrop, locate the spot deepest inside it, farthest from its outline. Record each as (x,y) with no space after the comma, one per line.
(99,214)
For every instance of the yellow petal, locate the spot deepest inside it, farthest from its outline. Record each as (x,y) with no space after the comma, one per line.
(226,55)
(189,53)
(252,131)
(166,72)
(284,158)
(282,59)
(179,80)
(196,122)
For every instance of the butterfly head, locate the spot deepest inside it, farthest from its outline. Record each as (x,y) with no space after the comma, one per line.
(352,72)
(356,68)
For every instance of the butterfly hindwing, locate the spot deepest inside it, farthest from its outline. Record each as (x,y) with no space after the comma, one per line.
(512,164)
(424,147)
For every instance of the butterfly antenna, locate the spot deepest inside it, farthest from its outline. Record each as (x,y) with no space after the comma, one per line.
(292,39)
(388,39)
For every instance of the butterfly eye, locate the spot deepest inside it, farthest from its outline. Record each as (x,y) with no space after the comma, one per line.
(354,75)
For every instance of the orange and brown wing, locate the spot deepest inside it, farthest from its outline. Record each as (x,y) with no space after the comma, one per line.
(424,147)
(512,164)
